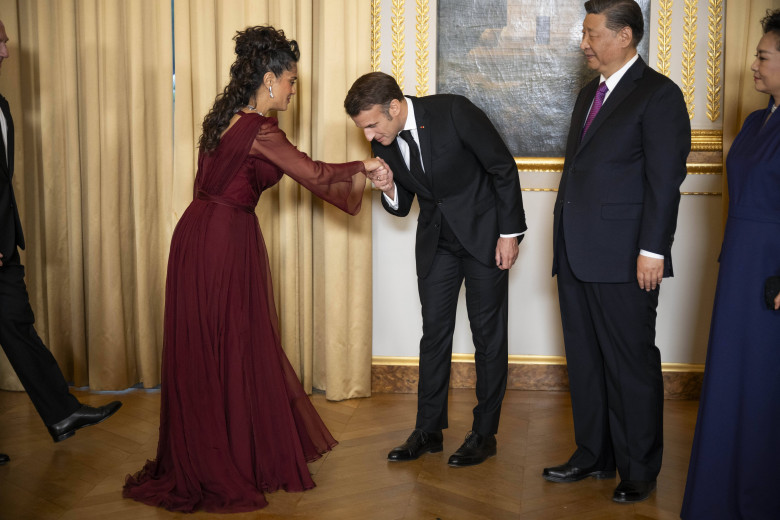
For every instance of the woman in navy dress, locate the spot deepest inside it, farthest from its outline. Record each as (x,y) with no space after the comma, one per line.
(733,472)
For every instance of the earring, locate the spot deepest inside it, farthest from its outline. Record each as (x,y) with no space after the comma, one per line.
(270,92)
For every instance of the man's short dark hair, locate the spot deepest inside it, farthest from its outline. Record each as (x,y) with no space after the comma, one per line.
(619,14)
(771,23)
(374,88)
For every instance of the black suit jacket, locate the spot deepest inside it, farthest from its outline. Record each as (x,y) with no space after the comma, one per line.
(10,225)
(620,188)
(471,179)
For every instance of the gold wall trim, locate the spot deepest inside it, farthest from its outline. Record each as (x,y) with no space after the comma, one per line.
(703,193)
(664,36)
(539,164)
(376,33)
(706,140)
(397,27)
(689,55)
(521,360)
(714,52)
(422,26)
(705,168)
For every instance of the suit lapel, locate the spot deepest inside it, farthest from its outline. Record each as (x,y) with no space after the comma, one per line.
(424,135)
(625,86)
(421,185)
(6,148)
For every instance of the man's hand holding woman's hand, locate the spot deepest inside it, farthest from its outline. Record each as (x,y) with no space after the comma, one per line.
(381,175)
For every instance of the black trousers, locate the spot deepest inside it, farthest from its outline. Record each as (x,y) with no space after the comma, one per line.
(615,378)
(486,303)
(33,363)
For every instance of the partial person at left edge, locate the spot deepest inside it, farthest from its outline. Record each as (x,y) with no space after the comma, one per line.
(35,366)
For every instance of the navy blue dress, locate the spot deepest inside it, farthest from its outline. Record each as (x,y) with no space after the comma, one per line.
(734,471)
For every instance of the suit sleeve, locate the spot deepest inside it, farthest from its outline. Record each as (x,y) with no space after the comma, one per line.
(666,140)
(479,135)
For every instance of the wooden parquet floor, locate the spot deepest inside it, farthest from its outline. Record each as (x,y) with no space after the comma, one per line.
(81,478)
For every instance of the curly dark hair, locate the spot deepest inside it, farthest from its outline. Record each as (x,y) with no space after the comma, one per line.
(771,23)
(259,50)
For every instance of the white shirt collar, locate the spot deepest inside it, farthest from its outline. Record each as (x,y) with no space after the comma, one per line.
(411,121)
(615,78)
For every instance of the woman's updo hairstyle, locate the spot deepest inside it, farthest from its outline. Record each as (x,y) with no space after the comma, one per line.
(259,50)
(771,22)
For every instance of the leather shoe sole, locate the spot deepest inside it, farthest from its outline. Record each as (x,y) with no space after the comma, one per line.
(567,473)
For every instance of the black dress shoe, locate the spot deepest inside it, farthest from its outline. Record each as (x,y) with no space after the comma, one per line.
(630,491)
(474,450)
(419,442)
(568,473)
(4,459)
(81,418)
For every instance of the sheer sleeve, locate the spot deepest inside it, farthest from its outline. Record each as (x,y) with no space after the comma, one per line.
(340,184)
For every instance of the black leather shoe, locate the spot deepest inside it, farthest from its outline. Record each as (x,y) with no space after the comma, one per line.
(419,442)
(81,418)
(4,459)
(474,450)
(568,473)
(630,491)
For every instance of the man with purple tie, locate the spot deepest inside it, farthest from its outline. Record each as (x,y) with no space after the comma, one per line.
(614,222)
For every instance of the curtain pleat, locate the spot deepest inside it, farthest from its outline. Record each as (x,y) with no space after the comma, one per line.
(105,163)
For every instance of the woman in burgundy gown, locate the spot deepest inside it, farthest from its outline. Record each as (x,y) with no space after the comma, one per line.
(235,421)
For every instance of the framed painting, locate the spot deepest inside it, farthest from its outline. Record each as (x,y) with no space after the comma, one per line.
(520,61)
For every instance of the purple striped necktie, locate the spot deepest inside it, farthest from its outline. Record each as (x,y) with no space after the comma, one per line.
(597,102)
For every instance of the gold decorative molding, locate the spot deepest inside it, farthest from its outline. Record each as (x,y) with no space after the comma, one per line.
(398,41)
(376,26)
(517,359)
(714,51)
(423,23)
(703,193)
(689,55)
(539,164)
(706,140)
(705,168)
(664,36)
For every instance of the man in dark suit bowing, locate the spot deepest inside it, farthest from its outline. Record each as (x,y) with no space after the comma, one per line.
(36,368)
(614,222)
(445,150)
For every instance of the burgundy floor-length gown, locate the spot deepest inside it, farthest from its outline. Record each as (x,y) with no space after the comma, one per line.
(234,420)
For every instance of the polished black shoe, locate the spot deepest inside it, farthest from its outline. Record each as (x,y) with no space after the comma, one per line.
(630,491)
(81,418)
(4,459)
(568,473)
(419,442)
(474,450)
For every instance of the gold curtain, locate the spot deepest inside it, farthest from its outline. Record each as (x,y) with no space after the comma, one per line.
(105,166)
(743,31)
(90,92)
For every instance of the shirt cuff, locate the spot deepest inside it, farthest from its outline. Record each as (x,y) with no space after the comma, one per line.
(511,235)
(393,203)
(650,255)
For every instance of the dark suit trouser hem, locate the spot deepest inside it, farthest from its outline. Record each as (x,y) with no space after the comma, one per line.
(486,303)
(615,374)
(31,360)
